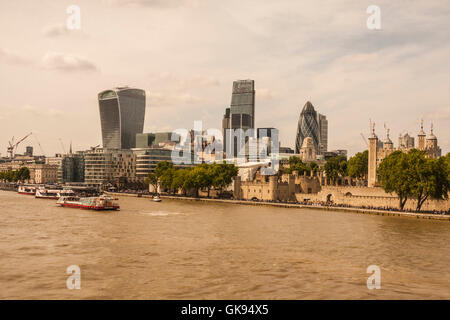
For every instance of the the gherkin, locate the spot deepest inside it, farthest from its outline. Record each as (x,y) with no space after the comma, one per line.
(308,126)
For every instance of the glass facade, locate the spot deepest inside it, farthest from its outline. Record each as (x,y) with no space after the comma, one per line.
(72,168)
(147,159)
(308,126)
(122,113)
(242,107)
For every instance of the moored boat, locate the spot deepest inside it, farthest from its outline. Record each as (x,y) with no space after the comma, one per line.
(43,193)
(156,199)
(28,190)
(92,203)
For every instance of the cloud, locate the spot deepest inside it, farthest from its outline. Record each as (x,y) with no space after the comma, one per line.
(183,83)
(55,30)
(41,112)
(14,58)
(168,99)
(66,62)
(265,94)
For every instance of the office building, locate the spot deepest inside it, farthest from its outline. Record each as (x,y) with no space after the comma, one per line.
(314,125)
(122,113)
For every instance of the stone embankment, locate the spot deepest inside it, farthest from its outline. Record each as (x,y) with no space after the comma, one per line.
(295,205)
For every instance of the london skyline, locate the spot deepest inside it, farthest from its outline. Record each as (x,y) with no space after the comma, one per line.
(190,52)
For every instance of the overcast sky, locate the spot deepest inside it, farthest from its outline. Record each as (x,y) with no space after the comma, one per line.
(186,54)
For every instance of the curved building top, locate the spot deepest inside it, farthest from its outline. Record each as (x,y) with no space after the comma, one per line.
(112,93)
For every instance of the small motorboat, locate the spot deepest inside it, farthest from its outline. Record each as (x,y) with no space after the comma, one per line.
(157,199)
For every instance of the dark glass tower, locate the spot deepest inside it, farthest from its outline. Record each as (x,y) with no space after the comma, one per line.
(242,109)
(308,126)
(122,113)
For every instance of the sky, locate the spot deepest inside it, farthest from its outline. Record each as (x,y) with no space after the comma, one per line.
(187,53)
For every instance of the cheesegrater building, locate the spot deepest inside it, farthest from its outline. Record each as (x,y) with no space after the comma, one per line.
(122,113)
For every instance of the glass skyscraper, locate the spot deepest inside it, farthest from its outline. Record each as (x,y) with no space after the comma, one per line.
(314,125)
(240,115)
(242,109)
(122,113)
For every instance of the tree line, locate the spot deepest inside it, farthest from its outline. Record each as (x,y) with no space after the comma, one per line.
(19,175)
(203,176)
(413,176)
(335,167)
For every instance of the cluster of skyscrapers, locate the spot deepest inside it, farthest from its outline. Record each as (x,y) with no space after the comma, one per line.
(128,152)
(129,155)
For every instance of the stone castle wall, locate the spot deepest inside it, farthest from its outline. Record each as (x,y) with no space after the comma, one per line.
(365,196)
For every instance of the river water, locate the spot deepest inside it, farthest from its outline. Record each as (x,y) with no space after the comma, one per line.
(190,250)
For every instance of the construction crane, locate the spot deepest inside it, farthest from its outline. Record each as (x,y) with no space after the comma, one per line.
(40,147)
(365,140)
(13,146)
(62,145)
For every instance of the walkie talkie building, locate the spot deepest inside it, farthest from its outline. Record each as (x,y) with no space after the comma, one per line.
(122,113)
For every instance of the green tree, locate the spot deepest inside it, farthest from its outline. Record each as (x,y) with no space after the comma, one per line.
(22,174)
(296,164)
(394,177)
(161,167)
(166,178)
(358,165)
(152,180)
(179,180)
(428,177)
(336,167)
(314,167)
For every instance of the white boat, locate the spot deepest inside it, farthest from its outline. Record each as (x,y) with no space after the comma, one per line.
(44,193)
(156,199)
(66,193)
(28,190)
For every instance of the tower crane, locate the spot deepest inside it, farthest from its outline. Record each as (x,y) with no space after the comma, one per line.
(62,145)
(40,147)
(365,140)
(13,146)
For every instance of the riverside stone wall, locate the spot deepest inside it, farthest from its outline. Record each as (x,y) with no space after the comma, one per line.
(365,196)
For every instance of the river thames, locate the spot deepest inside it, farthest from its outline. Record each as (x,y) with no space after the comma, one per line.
(191,250)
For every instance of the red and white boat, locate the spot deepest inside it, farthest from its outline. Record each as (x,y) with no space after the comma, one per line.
(28,190)
(92,203)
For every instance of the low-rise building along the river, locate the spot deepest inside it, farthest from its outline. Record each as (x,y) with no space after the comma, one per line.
(278,187)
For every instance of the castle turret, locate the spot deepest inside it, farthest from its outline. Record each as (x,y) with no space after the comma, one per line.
(373,143)
(421,138)
(291,187)
(237,188)
(387,143)
(432,147)
(273,184)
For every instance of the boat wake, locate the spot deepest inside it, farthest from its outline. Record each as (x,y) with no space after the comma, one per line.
(161,213)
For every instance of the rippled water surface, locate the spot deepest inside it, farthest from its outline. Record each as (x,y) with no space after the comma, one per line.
(187,250)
